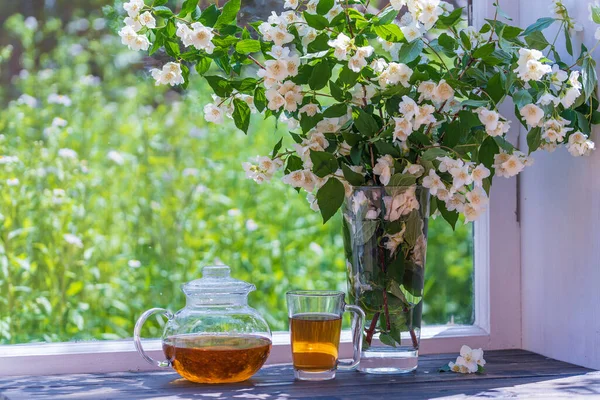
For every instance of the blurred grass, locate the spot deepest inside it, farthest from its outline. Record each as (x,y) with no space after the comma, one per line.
(151,183)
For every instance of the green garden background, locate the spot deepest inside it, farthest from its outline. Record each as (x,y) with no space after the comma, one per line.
(114,192)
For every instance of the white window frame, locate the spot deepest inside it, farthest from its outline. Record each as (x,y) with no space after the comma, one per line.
(497,292)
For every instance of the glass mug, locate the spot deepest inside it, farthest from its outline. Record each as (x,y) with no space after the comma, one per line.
(315,328)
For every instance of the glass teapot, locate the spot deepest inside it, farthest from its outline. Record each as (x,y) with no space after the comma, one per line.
(216,337)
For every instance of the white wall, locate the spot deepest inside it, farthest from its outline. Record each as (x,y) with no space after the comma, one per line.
(560,238)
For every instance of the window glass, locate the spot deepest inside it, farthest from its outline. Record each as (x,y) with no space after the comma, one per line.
(114,192)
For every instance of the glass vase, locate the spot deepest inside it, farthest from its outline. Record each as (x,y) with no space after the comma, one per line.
(385,242)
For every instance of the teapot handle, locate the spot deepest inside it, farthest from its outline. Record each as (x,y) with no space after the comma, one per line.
(138,330)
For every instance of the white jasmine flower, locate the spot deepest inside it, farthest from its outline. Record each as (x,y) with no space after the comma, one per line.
(395,73)
(134,263)
(558,76)
(471,358)
(415,170)
(304,179)
(479,174)
(147,20)
(213,113)
(443,92)
(169,75)
(447,163)
(274,69)
(580,145)
(133,23)
(291,4)
(312,200)
(511,167)
(341,45)
(133,7)
(489,118)
(456,203)
(73,240)
(459,368)
(433,182)
(408,107)
(460,177)
(412,32)
(130,38)
(570,96)
(384,168)
(574,79)
(532,114)
(548,98)
(402,130)
(424,116)
(426,90)
(310,109)
(477,198)
(328,125)
(263,168)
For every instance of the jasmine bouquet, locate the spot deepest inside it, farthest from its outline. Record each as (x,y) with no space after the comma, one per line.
(404,95)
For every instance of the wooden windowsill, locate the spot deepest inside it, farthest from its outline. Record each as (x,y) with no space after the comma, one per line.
(510,373)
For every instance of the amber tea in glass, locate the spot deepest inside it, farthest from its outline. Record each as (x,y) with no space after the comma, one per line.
(216,358)
(315,328)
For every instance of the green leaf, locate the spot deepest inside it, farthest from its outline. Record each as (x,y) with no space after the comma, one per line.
(450,216)
(316,21)
(495,88)
(445,368)
(364,122)
(336,110)
(387,16)
(323,163)
(410,52)
(538,25)
(209,16)
(159,3)
(484,51)
(522,98)
(319,44)
(446,41)
(336,91)
(389,33)
(247,46)
(534,139)
(241,115)
(466,42)
(220,86)
(187,7)
(260,99)
(324,6)
(414,228)
(537,41)
(172,48)
(229,13)
(452,133)
(347,76)
(595,13)
(588,76)
(474,103)
(387,339)
(330,198)
(488,149)
(568,42)
(163,11)
(203,65)
(277,148)
(402,180)
(450,20)
(354,178)
(433,153)
(320,75)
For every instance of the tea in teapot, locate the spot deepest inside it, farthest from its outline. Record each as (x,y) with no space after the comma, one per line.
(216,359)
(216,337)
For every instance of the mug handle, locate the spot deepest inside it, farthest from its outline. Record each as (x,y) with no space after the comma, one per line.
(137,340)
(356,338)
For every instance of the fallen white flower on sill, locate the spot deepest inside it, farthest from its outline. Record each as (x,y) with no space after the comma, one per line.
(470,361)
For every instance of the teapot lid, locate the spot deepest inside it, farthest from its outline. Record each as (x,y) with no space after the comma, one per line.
(216,279)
